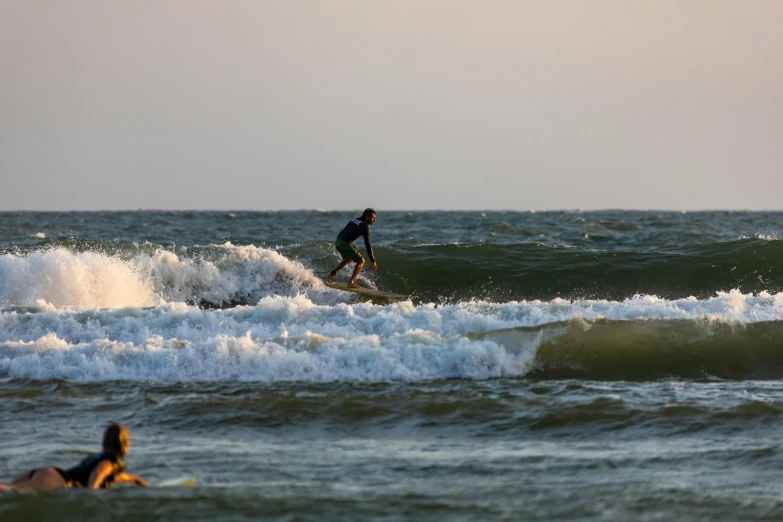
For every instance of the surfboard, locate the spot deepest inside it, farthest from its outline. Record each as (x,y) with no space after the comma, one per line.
(368,292)
(182,482)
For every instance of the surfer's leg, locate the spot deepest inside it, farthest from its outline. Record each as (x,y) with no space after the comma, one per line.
(24,477)
(333,273)
(356,271)
(44,478)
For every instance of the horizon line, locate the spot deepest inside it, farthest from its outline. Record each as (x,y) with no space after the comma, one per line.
(301,209)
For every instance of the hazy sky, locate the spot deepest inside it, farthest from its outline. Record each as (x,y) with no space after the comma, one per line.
(420,104)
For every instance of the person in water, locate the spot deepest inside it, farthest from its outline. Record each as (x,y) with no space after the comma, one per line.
(101,470)
(356,227)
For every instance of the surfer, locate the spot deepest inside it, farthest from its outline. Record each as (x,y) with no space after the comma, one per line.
(96,471)
(356,227)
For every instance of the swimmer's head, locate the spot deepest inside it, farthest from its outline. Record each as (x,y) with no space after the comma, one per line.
(116,439)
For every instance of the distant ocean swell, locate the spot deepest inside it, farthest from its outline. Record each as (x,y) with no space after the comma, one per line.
(453,273)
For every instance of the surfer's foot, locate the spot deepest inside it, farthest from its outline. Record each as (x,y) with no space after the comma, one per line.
(352,284)
(331,275)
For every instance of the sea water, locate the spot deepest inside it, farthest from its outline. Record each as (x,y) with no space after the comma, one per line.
(573,365)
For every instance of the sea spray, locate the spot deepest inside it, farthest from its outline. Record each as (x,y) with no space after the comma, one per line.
(64,279)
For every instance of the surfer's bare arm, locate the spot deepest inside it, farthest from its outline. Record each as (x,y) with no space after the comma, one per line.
(129,477)
(101,472)
(368,246)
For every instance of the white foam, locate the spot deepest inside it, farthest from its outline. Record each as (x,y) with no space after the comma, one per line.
(280,339)
(294,338)
(765,236)
(63,279)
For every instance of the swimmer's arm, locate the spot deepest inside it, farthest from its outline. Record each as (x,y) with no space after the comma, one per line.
(128,477)
(104,470)
(101,472)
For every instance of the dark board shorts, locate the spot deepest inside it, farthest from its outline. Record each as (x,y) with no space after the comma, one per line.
(348,251)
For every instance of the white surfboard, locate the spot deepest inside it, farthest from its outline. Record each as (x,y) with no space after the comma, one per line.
(181,482)
(368,292)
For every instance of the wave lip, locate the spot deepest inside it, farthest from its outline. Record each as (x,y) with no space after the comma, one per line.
(60,278)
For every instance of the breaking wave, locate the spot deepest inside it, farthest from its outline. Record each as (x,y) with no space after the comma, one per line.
(293,338)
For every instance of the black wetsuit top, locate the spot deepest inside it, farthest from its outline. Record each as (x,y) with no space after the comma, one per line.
(79,476)
(355,228)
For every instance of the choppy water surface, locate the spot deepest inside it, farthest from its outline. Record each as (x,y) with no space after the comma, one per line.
(554,366)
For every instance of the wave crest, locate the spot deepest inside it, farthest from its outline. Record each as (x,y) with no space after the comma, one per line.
(219,275)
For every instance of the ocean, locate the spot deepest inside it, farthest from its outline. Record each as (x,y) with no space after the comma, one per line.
(608,365)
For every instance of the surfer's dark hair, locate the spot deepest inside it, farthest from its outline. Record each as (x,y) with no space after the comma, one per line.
(367,212)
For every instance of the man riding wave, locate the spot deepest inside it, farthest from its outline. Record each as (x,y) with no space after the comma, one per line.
(356,227)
